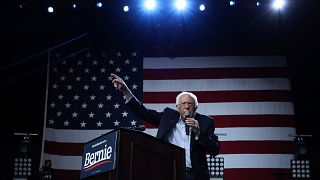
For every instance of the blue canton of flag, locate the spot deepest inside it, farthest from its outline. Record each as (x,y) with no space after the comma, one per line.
(81,95)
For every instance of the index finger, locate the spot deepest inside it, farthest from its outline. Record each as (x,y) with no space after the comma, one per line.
(115,76)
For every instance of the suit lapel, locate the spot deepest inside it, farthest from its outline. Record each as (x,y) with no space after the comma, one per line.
(168,121)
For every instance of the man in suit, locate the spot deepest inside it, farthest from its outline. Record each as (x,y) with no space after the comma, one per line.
(183,127)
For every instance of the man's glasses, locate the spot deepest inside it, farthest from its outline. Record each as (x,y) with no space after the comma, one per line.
(188,104)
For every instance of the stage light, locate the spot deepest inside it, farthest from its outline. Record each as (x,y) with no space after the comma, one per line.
(278,4)
(50,9)
(180,4)
(215,166)
(150,4)
(257,3)
(126,8)
(99,4)
(300,169)
(74,5)
(25,144)
(22,4)
(202,7)
(301,148)
(22,167)
(232,3)
(51,6)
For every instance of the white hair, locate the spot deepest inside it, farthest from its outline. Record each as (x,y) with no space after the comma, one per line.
(194,97)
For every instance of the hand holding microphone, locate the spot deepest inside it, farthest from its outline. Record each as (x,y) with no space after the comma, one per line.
(190,122)
(186,115)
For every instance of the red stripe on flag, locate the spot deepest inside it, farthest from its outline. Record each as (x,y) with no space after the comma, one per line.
(257,147)
(254,121)
(149,125)
(214,73)
(222,96)
(224,121)
(66,149)
(257,173)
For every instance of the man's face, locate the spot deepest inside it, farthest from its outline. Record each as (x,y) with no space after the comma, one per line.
(186,103)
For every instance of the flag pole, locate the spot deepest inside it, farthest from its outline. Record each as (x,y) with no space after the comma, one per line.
(45,110)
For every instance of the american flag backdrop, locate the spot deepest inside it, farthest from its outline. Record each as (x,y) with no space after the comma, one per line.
(249,98)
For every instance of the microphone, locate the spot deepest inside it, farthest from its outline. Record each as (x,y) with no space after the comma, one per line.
(186,115)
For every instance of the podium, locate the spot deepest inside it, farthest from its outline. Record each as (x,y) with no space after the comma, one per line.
(132,155)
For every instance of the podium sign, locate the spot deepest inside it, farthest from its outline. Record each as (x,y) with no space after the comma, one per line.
(99,155)
(130,154)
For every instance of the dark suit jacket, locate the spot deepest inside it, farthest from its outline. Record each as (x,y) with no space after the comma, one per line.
(166,120)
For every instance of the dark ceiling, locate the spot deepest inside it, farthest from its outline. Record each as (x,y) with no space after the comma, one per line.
(241,30)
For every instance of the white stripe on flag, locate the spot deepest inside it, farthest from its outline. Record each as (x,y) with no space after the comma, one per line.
(73,136)
(216,84)
(213,61)
(248,133)
(256,134)
(225,134)
(64,162)
(235,108)
(257,160)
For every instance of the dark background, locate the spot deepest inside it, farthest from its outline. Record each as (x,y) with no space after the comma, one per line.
(223,30)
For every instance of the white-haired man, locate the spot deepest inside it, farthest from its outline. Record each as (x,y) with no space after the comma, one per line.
(183,127)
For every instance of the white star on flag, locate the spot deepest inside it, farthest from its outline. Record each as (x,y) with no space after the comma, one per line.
(100,105)
(134,86)
(102,70)
(84,105)
(133,123)
(102,87)
(124,114)
(60,96)
(74,114)
(83,124)
(86,87)
(91,115)
(68,105)
(126,78)
(51,121)
(92,97)
(116,123)
(66,123)
(108,114)
(94,78)
(116,106)
(59,113)
(99,124)
(69,87)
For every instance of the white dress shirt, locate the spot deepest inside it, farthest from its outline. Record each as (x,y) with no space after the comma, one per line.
(179,138)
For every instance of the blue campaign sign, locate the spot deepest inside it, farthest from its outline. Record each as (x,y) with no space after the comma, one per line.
(99,155)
